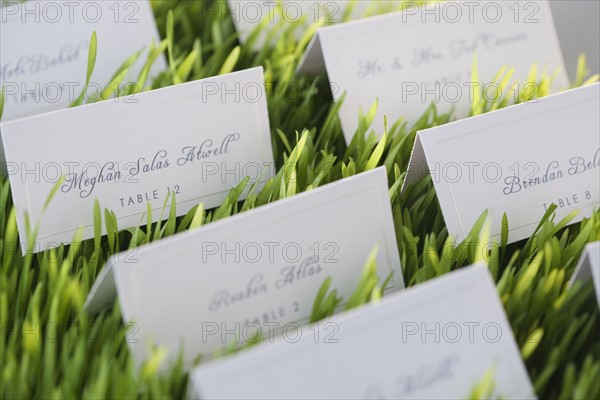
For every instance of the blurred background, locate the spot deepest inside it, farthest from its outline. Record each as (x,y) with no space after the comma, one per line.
(578,26)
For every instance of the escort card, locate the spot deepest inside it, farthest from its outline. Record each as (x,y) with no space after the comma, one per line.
(257,272)
(518,160)
(434,341)
(197,140)
(45,49)
(248,15)
(409,60)
(589,267)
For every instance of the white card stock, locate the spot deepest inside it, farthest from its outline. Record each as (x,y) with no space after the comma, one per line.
(45,46)
(518,161)
(259,271)
(589,267)
(433,341)
(197,140)
(249,14)
(409,60)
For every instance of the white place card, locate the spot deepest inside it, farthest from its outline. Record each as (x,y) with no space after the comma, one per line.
(589,267)
(197,140)
(518,160)
(409,60)
(434,341)
(259,271)
(248,14)
(45,45)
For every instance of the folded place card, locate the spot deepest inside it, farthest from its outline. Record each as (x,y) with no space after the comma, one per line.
(45,45)
(255,273)
(247,15)
(434,341)
(409,60)
(519,160)
(589,267)
(197,140)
